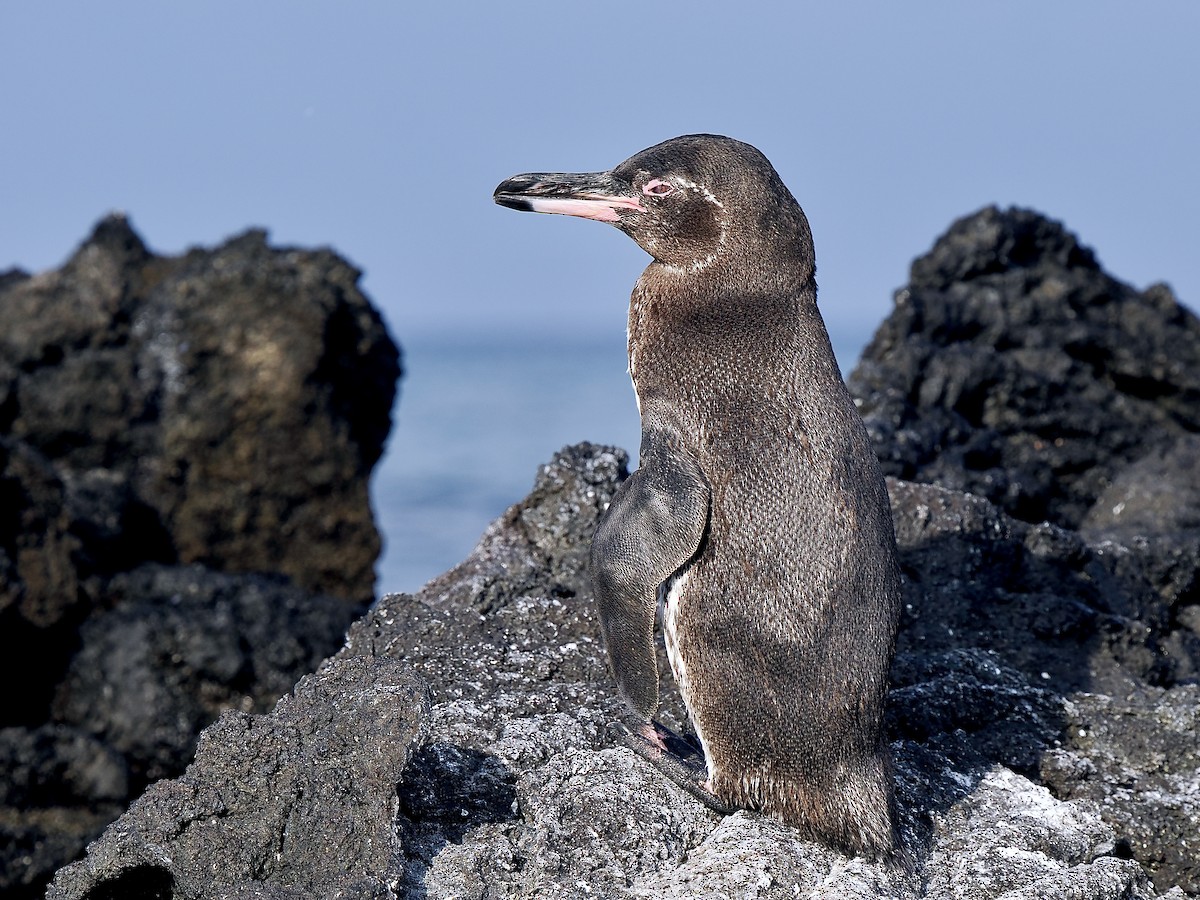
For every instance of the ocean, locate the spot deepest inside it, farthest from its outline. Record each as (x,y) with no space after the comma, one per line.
(474,420)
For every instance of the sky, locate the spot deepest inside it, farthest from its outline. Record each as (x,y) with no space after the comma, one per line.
(381,129)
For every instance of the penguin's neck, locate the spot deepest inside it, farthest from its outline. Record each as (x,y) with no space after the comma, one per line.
(667,298)
(711,314)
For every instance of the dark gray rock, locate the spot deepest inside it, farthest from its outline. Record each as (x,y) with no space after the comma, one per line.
(301,803)
(969,706)
(41,602)
(1043,705)
(520,790)
(1157,494)
(1066,614)
(85,768)
(66,786)
(38,581)
(1138,758)
(242,393)
(179,645)
(12,276)
(185,446)
(1014,368)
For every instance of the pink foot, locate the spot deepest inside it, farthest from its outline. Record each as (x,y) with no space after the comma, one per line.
(651,736)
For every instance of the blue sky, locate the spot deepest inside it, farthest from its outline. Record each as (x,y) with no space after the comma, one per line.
(381,128)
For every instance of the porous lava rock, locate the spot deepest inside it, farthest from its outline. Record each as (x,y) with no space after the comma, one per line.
(519,789)
(235,399)
(1015,368)
(185,446)
(1043,703)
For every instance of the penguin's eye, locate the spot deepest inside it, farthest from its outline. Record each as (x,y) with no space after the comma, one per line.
(657,187)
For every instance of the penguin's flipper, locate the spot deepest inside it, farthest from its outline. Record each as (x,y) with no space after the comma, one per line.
(653,526)
(676,757)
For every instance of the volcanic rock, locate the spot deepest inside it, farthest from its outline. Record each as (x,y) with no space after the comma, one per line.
(520,791)
(243,395)
(185,446)
(1042,717)
(1015,368)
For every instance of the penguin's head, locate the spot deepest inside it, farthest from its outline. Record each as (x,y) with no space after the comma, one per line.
(695,202)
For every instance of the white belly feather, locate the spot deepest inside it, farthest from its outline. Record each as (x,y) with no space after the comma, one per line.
(678,664)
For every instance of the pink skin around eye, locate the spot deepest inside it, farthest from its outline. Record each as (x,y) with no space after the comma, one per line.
(656,187)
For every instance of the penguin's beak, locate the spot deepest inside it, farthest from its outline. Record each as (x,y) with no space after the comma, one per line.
(592,195)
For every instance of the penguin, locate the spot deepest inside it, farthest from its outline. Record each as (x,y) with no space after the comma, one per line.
(758,514)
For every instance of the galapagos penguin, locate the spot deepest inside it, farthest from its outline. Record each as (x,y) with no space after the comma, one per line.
(758,513)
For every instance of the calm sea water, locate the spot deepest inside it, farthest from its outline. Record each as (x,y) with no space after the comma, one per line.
(474,421)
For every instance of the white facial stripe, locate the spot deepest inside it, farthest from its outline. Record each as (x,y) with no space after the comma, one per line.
(602,209)
(709,197)
(701,190)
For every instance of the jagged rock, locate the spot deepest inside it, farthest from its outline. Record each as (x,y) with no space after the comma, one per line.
(301,802)
(972,707)
(1138,757)
(183,643)
(1062,612)
(88,769)
(1014,368)
(185,446)
(520,790)
(1158,494)
(37,548)
(67,786)
(173,647)
(242,393)
(1041,716)
(40,599)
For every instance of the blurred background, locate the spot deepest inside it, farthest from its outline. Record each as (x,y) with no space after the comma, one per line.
(381,128)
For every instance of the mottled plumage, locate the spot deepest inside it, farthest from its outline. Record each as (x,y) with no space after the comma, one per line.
(758,510)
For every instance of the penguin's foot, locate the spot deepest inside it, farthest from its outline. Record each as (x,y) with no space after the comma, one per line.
(676,757)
